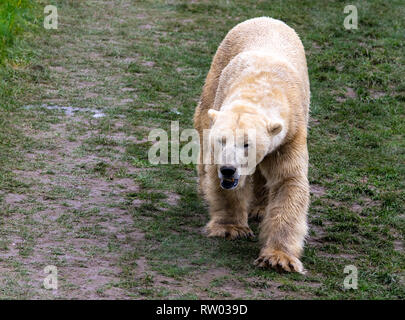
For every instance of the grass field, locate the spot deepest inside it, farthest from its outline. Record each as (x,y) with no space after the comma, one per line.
(16,18)
(78,192)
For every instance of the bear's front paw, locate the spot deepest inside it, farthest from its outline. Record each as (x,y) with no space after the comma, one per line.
(257,213)
(279,259)
(229,231)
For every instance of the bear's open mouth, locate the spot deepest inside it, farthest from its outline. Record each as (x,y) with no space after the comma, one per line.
(229,183)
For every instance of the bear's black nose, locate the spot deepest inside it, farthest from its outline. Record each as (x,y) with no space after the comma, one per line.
(227,171)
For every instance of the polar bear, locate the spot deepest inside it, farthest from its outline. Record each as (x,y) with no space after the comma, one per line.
(258,81)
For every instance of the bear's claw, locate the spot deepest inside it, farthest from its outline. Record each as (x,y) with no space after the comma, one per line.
(229,231)
(257,213)
(279,260)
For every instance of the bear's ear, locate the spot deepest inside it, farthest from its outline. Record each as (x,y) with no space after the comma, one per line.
(212,113)
(274,128)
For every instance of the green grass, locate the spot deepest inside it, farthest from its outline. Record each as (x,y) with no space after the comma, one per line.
(18,21)
(17,17)
(356,148)
(356,145)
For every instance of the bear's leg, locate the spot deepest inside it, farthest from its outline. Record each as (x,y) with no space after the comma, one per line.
(284,226)
(201,167)
(260,196)
(228,209)
(201,176)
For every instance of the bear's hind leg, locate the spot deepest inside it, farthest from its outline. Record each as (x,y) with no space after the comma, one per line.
(260,196)
(201,178)
(228,209)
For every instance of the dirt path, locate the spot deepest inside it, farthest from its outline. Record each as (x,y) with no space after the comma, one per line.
(70,212)
(74,203)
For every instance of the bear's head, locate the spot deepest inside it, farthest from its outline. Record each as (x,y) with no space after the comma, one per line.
(239,140)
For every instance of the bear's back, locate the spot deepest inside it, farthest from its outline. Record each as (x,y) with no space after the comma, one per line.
(267,35)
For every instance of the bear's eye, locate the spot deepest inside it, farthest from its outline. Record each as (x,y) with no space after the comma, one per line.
(246,145)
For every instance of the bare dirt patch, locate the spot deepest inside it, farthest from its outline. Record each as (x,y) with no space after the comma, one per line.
(348,94)
(172,198)
(365,202)
(317,190)
(399,246)
(377,94)
(12,198)
(75,216)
